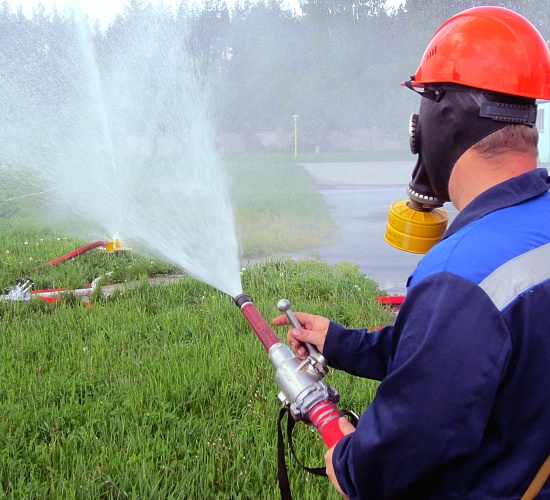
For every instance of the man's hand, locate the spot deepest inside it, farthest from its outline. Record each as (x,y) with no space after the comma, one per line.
(347,428)
(314,332)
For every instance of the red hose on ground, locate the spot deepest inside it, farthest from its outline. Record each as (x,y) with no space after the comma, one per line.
(391,300)
(78,251)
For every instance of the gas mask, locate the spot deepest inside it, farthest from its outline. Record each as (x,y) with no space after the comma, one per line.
(451,119)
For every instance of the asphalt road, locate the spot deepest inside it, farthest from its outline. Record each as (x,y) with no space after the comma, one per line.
(359,196)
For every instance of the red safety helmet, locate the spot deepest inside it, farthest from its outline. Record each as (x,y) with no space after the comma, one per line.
(489,48)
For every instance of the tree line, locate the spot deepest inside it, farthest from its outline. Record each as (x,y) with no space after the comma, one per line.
(337,64)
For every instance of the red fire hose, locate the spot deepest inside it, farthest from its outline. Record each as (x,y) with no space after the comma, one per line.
(324,417)
(78,251)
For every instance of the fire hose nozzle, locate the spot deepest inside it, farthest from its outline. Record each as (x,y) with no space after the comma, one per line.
(241,299)
(303,389)
(301,384)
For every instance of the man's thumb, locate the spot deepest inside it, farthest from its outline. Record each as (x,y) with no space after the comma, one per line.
(345,426)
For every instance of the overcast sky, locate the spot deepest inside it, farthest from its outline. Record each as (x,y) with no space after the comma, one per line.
(105,10)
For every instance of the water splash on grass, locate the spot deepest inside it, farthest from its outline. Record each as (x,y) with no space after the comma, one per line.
(118,132)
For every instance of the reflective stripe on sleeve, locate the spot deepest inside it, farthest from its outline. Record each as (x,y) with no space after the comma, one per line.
(517,276)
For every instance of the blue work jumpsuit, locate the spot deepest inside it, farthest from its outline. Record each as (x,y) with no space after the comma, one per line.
(463,407)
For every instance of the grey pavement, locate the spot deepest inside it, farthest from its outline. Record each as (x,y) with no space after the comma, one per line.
(358,196)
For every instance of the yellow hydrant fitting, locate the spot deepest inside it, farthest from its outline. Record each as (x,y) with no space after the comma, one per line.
(415,231)
(114,246)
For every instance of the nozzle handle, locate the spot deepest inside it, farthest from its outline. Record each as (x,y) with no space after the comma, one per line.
(320,362)
(284,306)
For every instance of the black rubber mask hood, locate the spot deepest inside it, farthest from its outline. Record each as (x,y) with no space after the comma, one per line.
(450,121)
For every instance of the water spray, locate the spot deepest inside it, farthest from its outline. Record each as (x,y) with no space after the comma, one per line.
(309,398)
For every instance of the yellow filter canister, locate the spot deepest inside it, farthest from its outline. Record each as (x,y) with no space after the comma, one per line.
(412,230)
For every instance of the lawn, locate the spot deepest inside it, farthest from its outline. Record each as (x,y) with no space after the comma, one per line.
(159,390)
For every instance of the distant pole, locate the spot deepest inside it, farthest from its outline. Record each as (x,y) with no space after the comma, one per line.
(295,136)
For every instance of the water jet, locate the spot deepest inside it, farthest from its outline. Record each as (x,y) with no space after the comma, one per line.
(83,131)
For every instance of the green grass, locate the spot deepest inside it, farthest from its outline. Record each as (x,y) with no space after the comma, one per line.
(158,390)
(162,391)
(277,206)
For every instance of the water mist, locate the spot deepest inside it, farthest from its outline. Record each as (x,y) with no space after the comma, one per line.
(121,142)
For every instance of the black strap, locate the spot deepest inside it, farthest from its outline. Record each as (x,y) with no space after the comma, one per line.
(318,471)
(284,484)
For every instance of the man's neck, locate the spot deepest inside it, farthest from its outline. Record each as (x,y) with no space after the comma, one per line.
(474,174)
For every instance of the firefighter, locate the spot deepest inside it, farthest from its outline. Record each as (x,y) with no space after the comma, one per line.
(463,406)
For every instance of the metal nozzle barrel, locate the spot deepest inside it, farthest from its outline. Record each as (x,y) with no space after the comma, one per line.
(317,358)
